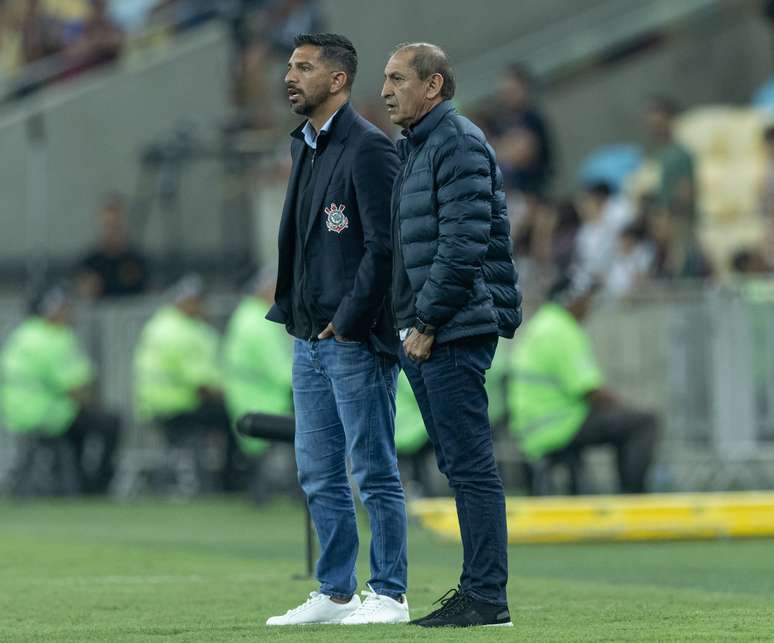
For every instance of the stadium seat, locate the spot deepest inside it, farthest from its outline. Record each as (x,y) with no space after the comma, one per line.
(728,146)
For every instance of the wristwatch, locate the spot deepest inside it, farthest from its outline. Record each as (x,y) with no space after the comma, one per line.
(422,327)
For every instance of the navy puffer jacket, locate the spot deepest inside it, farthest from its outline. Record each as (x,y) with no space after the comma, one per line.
(454,229)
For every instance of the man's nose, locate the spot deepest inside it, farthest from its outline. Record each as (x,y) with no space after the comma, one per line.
(386,91)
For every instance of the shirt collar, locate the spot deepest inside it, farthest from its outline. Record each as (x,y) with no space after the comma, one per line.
(310,136)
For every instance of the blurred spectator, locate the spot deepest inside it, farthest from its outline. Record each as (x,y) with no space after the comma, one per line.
(632,262)
(520,135)
(518,132)
(675,255)
(558,400)
(47,398)
(257,363)
(749,262)
(768,11)
(604,215)
(262,37)
(767,189)
(532,229)
(283,20)
(677,182)
(564,235)
(114,268)
(40,36)
(10,38)
(178,380)
(100,41)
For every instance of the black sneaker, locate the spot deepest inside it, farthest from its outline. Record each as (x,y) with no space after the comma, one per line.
(446,601)
(462,610)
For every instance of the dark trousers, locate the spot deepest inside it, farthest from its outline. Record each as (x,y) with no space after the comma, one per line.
(81,459)
(94,436)
(210,415)
(449,388)
(633,435)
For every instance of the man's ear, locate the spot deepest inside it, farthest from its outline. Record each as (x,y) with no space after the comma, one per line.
(434,86)
(338,81)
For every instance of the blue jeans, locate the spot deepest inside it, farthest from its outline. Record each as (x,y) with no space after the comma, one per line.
(344,397)
(449,388)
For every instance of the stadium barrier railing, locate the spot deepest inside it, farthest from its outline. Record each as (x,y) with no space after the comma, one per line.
(702,357)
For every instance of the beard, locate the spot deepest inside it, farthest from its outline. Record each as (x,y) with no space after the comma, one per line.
(307,103)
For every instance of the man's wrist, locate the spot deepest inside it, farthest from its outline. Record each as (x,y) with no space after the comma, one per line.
(423,327)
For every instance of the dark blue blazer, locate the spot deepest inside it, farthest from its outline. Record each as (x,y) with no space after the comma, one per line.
(347,253)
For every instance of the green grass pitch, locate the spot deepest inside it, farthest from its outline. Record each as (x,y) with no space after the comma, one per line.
(215,570)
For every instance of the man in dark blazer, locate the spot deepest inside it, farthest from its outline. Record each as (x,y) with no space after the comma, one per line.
(333,277)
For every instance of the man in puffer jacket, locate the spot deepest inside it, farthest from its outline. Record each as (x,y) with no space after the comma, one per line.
(453,293)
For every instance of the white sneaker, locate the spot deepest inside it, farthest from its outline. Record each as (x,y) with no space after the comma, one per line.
(378,608)
(318,608)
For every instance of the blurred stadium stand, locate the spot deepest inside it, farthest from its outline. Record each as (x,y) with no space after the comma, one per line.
(154,92)
(159,125)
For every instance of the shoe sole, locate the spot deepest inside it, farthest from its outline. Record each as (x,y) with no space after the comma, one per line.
(377,623)
(307,623)
(508,624)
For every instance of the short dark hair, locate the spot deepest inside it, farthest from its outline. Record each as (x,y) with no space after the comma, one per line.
(768,133)
(428,60)
(335,49)
(600,189)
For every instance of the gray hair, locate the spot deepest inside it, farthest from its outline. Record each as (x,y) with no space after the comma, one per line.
(430,59)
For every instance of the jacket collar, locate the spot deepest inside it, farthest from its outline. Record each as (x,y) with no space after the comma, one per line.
(339,127)
(418,133)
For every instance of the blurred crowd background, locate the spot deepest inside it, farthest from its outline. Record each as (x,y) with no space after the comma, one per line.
(143,167)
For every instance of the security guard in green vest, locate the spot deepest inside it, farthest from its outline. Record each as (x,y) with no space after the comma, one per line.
(411,440)
(496,385)
(257,361)
(557,396)
(46,395)
(178,378)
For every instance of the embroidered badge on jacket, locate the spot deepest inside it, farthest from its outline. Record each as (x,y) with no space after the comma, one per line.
(336,221)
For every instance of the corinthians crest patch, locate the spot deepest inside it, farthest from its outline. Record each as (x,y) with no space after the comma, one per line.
(335,220)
